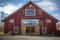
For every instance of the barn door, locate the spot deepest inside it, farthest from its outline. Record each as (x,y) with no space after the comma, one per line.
(30,30)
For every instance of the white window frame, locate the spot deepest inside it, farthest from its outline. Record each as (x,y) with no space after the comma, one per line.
(48,20)
(14,29)
(43,30)
(30,15)
(28,19)
(11,20)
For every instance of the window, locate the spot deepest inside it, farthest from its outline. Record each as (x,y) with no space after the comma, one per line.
(21,12)
(48,20)
(30,12)
(30,22)
(43,30)
(11,21)
(15,29)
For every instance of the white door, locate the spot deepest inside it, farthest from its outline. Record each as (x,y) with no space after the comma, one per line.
(15,29)
(44,30)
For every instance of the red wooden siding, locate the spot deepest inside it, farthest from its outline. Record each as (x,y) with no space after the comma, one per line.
(40,14)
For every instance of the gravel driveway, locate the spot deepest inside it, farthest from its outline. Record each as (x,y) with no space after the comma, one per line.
(28,38)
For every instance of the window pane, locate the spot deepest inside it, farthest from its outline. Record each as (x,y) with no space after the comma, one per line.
(11,21)
(30,12)
(30,22)
(48,21)
(44,30)
(15,29)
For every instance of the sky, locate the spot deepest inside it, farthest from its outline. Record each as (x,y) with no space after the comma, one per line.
(50,6)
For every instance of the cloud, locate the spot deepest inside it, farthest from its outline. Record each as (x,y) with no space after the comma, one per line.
(44,4)
(50,7)
(1,9)
(35,0)
(47,5)
(0,15)
(57,15)
(10,8)
(32,0)
(46,0)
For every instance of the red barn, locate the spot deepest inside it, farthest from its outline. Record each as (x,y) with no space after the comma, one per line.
(30,20)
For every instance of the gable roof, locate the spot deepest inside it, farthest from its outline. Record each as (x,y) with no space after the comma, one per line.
(30,2)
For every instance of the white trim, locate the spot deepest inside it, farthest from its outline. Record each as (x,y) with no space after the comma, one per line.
(14,29)
(30,15)
(44,30)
